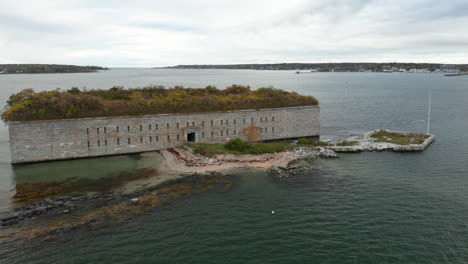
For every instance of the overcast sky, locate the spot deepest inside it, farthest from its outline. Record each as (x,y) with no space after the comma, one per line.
(171,32)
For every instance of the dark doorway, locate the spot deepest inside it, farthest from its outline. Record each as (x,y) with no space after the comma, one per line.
(191,137)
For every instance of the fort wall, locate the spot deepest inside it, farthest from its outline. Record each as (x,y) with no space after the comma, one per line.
(35,141)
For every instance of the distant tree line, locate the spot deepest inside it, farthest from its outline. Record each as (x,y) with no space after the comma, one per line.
(29,105)
(324,67)
(46,68)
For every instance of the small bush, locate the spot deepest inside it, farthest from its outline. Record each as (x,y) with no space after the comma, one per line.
(237,145)
(303,141)
(74,90)
(237,89)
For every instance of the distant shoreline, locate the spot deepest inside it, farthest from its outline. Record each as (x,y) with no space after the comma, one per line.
(334,67)
(46,68)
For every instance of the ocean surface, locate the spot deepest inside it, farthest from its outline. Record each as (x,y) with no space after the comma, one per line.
(361,208)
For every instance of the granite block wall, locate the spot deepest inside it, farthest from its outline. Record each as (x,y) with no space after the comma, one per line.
(36,141)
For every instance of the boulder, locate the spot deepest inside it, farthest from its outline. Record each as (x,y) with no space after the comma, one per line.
(326,153)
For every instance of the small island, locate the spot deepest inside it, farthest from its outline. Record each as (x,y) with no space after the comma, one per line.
(47,68)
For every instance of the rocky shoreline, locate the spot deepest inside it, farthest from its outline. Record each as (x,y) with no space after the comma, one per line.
(180,160)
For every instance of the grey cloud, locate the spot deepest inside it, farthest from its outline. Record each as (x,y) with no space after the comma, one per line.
(169,27)
(16,22)
(336,9)
(442,10)
(207,31)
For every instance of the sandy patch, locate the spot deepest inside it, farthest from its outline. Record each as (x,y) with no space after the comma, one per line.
(184,161)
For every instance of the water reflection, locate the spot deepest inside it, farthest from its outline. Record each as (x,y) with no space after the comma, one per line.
(44,180)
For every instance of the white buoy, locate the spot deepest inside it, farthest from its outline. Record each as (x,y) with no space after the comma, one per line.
(272,212)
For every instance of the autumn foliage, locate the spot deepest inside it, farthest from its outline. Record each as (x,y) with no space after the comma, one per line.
(29,105)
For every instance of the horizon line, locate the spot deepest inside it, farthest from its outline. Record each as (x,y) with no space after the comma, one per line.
(228,64)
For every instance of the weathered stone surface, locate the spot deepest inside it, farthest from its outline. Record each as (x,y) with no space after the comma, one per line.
(67,139)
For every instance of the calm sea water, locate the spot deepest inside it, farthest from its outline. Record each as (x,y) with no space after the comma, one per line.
(360,208)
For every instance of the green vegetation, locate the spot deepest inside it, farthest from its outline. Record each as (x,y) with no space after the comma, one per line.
(237,148)
(29,105)
(398,138)
(347,143)
(320,144)
(210,150)
(237,145)
(262,148)
(46,68)
(313,143)
(240,147)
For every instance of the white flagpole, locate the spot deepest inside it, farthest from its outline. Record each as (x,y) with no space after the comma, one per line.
(429,111)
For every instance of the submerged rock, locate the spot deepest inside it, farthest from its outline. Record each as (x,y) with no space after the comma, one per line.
(279,172)
(38,208)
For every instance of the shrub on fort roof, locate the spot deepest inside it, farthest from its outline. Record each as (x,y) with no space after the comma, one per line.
(29,105)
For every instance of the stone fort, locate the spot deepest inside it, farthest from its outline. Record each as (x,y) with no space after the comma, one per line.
(35,141)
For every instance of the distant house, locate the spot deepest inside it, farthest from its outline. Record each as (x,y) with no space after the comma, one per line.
(449,68)
(386,68)
(419,71)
